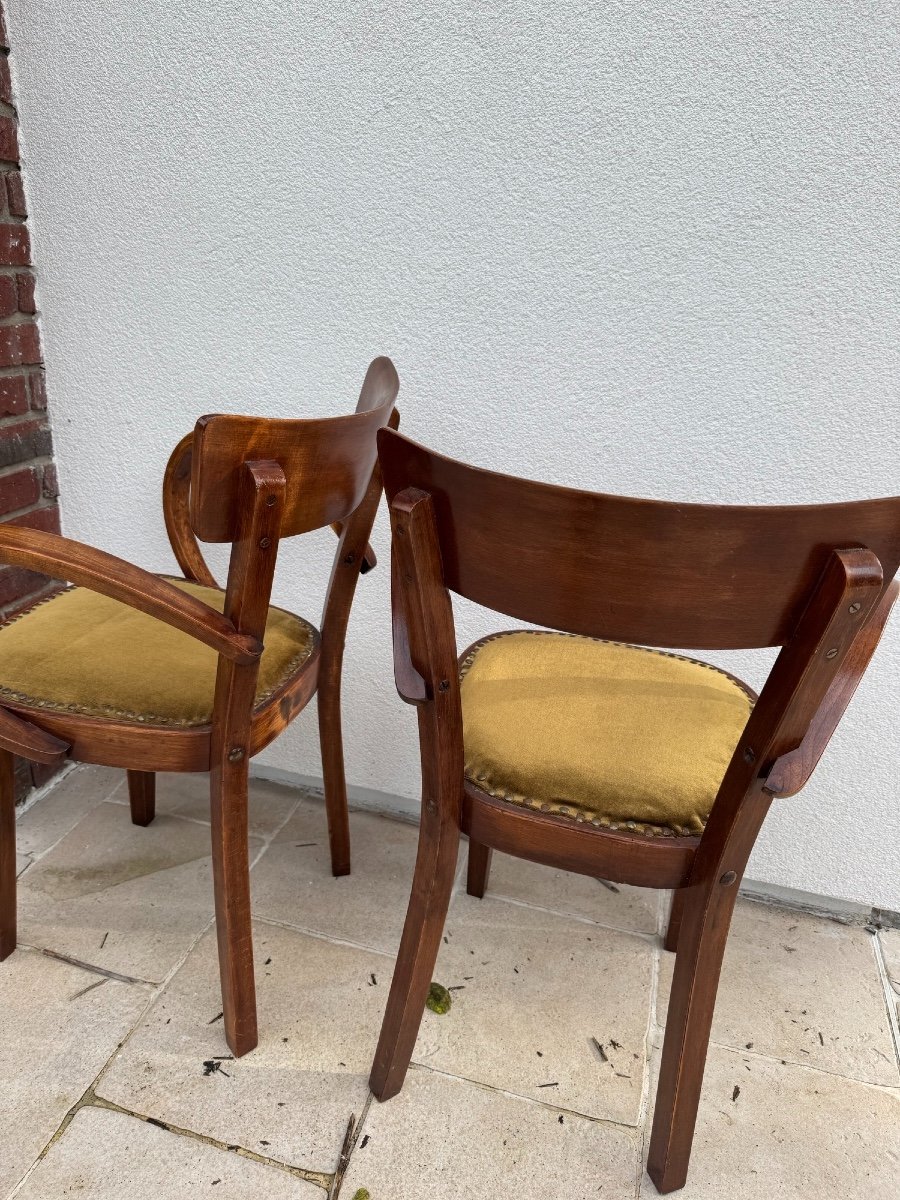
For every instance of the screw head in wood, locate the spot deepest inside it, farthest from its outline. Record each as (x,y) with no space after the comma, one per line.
(444,685)
(728,878)
(270,501)
(349,558)
(855,606)
(265,543)
(236,753)
(832,653)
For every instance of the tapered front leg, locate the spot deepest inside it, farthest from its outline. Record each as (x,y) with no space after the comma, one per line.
(231,877)
(674,927)
(701,945)
(425,917)
(478,871)
(142,796)
(7,855)
(331,741)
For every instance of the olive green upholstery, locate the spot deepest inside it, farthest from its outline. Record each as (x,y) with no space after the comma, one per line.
(84,653)
(618,736)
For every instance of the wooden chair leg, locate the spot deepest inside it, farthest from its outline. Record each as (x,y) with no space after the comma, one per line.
(231,879)
(707,913)
(142,796)
(479,869)
(413,974)
(675,915)
(7,855)
(332,744)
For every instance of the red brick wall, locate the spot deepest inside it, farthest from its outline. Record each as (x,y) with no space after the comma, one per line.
(28,489)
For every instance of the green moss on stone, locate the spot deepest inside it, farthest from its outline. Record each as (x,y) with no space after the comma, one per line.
(439,1001)
(361,1194)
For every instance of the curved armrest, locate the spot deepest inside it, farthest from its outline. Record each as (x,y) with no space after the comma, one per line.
(176,506)
(62,558)
(792,771)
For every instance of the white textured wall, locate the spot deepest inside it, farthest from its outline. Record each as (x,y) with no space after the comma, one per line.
(647,248)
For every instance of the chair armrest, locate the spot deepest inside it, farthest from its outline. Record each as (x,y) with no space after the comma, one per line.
(792,771)
(29,741)
(62,558)
(176,506)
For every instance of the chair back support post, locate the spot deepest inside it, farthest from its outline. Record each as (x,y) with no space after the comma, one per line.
(836,615)
(250,574)
(251,571)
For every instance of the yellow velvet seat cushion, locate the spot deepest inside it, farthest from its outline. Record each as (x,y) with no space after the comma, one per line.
(85,653)
(618,736)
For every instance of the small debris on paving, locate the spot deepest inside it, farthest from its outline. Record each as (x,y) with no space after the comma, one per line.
(735,1093)
(213,1065)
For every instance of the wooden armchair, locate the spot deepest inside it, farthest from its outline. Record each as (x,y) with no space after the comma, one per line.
(104,673)
(605,757)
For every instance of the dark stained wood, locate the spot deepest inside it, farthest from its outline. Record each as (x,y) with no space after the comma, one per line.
(685,575)
(176,497)
(327,463)
(432,645)
(569,846)
(7,855)
(810,579)
(61,558)
(330,476)
(674,926)
(250,575)
(352,552)
(792,770)
(142,797)
(478,869)
(835,614)
(28,741)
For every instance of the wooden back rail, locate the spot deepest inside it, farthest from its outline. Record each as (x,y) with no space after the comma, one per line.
(815,580)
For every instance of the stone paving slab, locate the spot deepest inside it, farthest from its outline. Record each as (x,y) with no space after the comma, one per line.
(112,1156)
(442,1137)
(534,992)
(803,989)
(60,1025)
(767,1131)
(291,1097)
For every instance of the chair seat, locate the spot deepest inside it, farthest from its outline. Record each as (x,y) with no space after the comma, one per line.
(80,652)
(618,736)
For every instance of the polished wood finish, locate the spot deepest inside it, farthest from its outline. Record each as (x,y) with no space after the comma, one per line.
(813,580)
(327,464)
(25,739)
(176,498)
(478,868)
(250,575)
(670,942)
(142,797)
(426,606)
(271,479)
(686,575)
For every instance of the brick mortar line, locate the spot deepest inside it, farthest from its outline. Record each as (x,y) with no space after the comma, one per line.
(39,460)
(44,502)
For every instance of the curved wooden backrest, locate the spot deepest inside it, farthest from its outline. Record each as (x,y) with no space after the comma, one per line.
(692,576)
(327,462)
